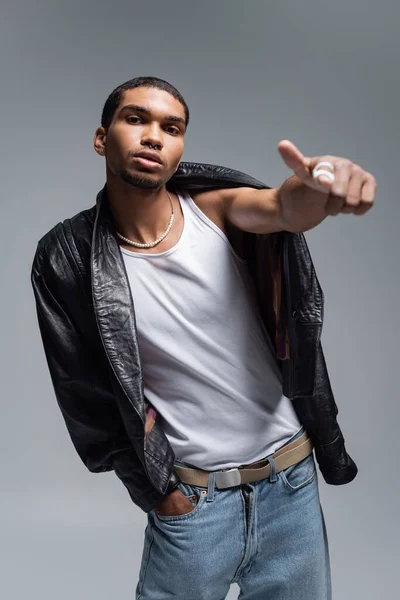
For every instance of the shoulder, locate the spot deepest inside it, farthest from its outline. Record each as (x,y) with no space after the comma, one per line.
(65,243)
(216,203)
(207,197)
(211,203)
(80,224)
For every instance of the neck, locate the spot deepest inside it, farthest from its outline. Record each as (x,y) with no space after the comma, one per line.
(139,214)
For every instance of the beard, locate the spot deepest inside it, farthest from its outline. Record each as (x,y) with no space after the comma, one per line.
(140,181)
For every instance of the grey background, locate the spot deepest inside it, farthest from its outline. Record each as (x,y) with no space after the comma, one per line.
(324,75)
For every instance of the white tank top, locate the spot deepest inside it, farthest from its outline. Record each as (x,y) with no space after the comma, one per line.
(208,363)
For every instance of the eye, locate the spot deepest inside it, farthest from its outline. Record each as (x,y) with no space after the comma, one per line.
(129,118)
(172,129)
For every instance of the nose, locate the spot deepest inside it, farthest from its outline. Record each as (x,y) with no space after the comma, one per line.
(151,136)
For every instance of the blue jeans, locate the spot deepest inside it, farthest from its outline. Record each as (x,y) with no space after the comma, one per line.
(269,537)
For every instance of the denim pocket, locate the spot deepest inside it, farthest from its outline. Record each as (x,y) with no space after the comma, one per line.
(300,474)
(195,494)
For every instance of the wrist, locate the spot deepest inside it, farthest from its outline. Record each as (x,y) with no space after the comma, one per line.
(300,207)
(168,498)
(287,204)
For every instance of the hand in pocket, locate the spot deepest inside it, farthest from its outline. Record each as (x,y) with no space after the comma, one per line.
(174,504)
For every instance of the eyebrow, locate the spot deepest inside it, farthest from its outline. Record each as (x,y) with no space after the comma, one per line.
(146,111)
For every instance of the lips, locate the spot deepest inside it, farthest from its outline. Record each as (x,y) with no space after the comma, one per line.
(145,163)
(150,156)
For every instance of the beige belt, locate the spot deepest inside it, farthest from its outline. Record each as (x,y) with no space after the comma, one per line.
(285,457)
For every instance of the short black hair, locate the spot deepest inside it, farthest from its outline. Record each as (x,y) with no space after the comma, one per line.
(114,99)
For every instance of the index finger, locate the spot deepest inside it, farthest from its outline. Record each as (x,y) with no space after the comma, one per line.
(294,159)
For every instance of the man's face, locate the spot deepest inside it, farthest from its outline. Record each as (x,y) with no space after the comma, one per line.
(147,120)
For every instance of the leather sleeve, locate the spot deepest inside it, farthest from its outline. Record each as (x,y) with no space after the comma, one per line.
(81,380)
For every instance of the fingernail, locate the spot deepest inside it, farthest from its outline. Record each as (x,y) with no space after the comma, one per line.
(323,179)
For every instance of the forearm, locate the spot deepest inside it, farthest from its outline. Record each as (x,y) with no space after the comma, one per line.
(300,207)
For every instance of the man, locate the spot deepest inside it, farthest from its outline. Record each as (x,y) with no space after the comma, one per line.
(181,320)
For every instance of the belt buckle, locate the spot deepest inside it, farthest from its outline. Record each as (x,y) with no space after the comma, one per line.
(229,478)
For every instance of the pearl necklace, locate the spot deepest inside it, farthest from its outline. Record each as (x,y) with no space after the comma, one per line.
(158,240)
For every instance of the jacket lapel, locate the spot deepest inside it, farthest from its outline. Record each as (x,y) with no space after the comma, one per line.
(113,305)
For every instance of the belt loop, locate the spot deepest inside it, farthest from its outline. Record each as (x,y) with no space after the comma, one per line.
(272,475)
(211,486)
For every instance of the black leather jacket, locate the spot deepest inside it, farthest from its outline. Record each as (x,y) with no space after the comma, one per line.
(87,323)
